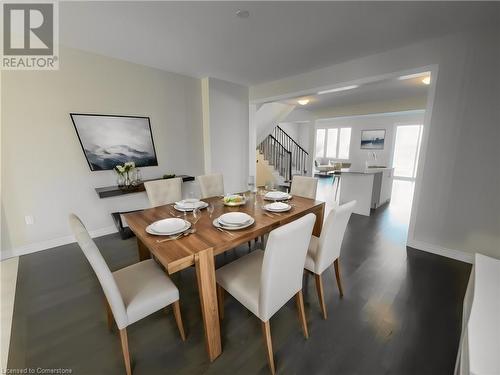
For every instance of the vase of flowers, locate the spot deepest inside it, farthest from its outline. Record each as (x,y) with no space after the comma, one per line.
(120,180)
(124,171)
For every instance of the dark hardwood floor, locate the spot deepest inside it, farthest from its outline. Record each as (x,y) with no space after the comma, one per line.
(401,314)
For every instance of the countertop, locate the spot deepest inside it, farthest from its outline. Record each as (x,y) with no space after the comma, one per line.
(365,171)
(484,321)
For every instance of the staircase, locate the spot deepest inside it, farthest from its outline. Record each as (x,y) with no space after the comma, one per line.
(285,155)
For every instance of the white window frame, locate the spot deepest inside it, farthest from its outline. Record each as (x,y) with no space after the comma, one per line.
(326,128)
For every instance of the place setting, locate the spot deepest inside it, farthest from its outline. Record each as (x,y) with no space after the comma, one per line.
(232,221)
(174,227)
(277,196)
(188,205)
(276,208)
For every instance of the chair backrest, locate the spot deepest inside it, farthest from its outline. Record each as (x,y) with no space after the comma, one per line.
(283,264)
(330,241)
(101,269)
(161,192)
(211,185)
(304,186)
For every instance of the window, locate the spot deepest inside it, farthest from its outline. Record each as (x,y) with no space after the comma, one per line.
(336,140)
(406,150)
(320,143)
(344,143)
(331,143)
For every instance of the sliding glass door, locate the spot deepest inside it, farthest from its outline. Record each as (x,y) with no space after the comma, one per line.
(406,151)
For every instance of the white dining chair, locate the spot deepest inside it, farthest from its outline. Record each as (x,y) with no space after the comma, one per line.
(165,191)
(325,250)
(263,281)
(133,292)
(211,185)
(303,186)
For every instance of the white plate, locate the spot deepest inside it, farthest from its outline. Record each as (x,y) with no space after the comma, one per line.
(150,230)
(277,207)
(168,226)
(276,195)
(224,224)
(234,218)
(190,203)
(230,227)
(181,208)
(281,198)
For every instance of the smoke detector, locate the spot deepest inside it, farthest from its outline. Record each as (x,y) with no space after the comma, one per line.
(242,13)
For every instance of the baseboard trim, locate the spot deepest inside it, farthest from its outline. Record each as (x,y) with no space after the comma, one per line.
(49,244)
(443,251)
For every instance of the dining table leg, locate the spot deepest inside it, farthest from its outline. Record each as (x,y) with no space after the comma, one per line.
(142,250)
(205,274)
(320,213)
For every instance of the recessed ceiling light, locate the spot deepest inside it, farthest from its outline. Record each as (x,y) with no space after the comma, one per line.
(427,80)
(411,76)
(242,13)
(303,101)
(338,89)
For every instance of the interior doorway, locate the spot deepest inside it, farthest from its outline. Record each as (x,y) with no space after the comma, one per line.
(406,151)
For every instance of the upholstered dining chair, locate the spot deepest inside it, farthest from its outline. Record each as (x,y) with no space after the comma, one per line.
(166,191)
(263,281)
(325,250)
(304,186)
(211,185)
(133,292)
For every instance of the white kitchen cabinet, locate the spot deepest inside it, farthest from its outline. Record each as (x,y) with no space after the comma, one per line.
(371,188)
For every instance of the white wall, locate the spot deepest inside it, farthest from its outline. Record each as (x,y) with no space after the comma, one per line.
(267,116)
(388,121)
(44,171)
(457,205)
(226,127)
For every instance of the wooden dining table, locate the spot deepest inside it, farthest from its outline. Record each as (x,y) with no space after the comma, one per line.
(200,248)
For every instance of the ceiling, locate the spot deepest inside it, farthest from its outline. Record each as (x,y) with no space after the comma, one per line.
(278,39)
(384,91)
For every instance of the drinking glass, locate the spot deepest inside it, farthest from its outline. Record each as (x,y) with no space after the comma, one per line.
(210,209)
(196,216)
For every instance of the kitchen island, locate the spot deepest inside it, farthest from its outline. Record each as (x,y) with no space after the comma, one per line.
(370,187)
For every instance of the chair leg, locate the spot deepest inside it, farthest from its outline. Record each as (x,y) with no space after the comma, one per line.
(302,315)
(337,275)
(109,315)
(249,246)
(220,301)
(178,319)
(126,356)
(321,294)
(266,332)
